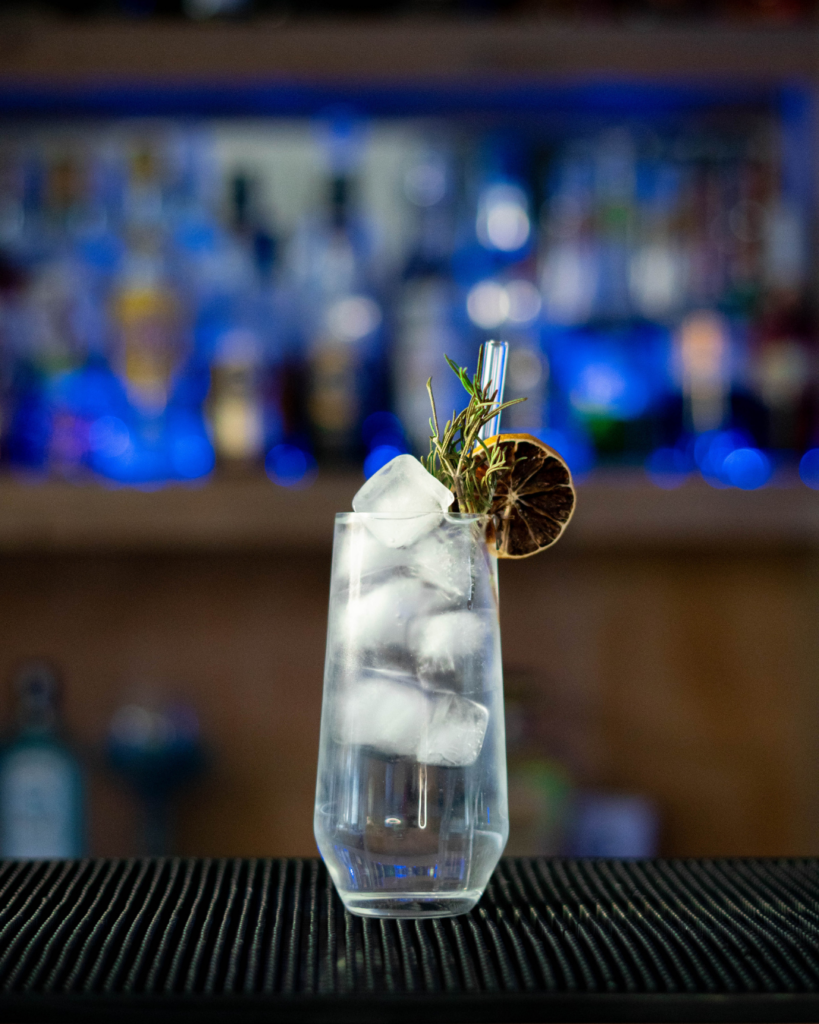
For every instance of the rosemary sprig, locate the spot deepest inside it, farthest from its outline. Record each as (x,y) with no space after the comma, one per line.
(452,450)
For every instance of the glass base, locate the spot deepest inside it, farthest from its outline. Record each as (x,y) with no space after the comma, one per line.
(411,904)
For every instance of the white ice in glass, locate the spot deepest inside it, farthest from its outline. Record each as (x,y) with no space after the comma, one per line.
(385,711)
(440,642)
(401,495)
(454,730)
(392,714)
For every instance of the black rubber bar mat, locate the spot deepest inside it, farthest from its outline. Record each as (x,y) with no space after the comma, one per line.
(247,941)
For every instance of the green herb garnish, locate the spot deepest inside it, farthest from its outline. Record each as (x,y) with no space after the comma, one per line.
(452,451)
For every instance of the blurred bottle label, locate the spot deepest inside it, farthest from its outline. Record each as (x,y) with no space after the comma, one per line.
(148,320)
(237,400)
(41,793)
(37,799)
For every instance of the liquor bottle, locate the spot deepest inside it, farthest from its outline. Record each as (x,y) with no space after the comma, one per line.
(244,318)
(517,300)
(781,372)
(157,751)
(615,179)
(708,375)
(26,421)
(495,264)
(569,260)
(41,435)
(425,302)
(146,307)
(236,407)
(782,357)
(568,277)
(657,265)
(341,321)
(608,266)
(148,317)
(41,786)
(70,293)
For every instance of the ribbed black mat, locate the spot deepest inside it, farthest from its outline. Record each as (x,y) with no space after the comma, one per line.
(259,940)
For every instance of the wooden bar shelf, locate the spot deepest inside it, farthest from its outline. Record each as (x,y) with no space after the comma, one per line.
(48,52)
(615,509)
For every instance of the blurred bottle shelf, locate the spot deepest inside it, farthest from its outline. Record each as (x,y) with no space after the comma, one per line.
(615,509)
(43,52)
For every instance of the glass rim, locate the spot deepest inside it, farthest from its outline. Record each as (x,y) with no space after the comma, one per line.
(450,517)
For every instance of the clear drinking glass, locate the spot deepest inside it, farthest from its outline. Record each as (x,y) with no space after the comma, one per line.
(411,807)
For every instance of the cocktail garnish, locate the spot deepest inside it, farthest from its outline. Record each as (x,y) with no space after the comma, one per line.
(522,485)
(453,451)
(534,497)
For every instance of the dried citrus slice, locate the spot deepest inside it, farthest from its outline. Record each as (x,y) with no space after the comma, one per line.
(534,497)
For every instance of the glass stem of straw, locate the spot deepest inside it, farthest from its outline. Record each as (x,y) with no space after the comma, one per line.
(493,371)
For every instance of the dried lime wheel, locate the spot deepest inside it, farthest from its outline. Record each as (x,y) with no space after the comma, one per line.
(534,497)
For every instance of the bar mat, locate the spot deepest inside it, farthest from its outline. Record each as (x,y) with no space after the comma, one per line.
(247,941)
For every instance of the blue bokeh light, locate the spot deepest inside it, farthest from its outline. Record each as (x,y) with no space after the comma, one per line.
(191,456)
(668,467)
(746,468)
(711,450)
(109,437)
(290,466)
(384,428)
(615,374)
(575,450)
(809,469)
(379,457)
(136,465)
(610,389)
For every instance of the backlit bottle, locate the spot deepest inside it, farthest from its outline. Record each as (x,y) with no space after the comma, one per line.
(426,323)
(341,320)
(41,787)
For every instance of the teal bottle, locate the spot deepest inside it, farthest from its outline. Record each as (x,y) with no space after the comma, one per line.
(41,786)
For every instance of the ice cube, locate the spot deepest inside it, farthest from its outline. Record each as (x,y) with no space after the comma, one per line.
(378,616)
(442,557)
(360,554)
(401,497)
(454,730)
(384,710)
(391,713)
(441,641)
(445,557)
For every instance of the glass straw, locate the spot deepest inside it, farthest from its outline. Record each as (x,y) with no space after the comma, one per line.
(494,370)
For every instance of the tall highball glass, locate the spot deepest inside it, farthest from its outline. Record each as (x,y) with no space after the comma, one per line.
(411,808)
